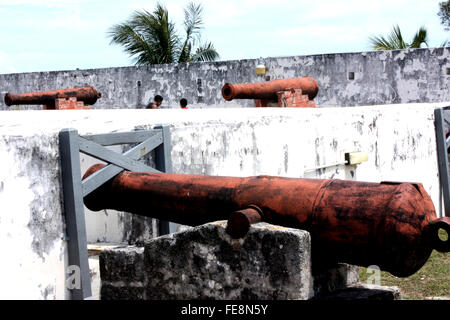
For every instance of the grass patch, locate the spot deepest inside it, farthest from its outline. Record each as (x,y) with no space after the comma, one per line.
(432,280)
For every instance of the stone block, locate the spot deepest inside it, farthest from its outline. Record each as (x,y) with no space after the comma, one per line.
(122,265)
(363,292)
(122,291)
(334,278)
(121,272)
(271,262)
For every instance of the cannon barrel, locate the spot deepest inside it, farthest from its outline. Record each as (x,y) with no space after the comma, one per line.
(86,94)
(268,90)
(391,225)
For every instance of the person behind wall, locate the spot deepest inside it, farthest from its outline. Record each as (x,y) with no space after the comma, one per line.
(183,103)
(157,100)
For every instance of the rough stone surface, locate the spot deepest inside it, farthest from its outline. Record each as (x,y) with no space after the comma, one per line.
(205,263)
(122,264)
(363,292)
(379,77)
(122,273)
(122,292)
(335,278)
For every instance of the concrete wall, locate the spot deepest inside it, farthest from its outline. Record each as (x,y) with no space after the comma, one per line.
(31,219)
(380,77)
(399,139)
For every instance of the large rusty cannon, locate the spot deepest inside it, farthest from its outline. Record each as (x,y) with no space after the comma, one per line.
(86,95)
(391,225)
(271,90)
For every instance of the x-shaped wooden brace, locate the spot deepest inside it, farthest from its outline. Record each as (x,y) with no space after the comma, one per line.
(93,145)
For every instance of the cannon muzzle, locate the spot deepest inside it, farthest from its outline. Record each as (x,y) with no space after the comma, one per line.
(86,94)
(391,225)
(268,90)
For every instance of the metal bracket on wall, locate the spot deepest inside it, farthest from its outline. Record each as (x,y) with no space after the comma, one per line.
(74,190)
(442,153)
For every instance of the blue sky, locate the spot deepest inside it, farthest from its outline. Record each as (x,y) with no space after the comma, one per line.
(48,35)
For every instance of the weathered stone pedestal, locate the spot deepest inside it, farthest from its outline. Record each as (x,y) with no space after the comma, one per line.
(271,262)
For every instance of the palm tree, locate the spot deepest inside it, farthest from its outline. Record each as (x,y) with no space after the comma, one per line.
(150,38)
(395,40)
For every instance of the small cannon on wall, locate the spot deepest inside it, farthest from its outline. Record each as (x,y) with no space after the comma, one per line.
(294,92)
(392,225)
(74,98)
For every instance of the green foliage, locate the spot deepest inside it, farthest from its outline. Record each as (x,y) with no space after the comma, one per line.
(395,40)
(444,14)
(150,38)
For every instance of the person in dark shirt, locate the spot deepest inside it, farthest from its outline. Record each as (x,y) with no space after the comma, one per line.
(183,103)
(157,100)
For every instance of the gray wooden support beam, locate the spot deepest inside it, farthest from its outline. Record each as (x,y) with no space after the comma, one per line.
(442,157)
(74,212)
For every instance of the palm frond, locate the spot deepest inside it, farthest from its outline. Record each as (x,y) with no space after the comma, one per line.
(192,19)
(395,40)
(150,38)
(205,53)
(192,26)
(380,43)
(160,33)
(185,54)
(419,38)
(133,42)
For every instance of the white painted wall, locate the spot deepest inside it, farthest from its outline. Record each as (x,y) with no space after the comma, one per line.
(400,141)
(31,222)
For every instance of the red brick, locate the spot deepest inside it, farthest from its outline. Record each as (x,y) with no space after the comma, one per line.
(69,104)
